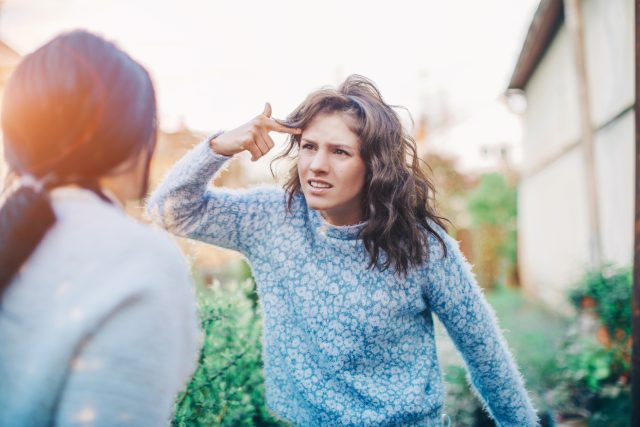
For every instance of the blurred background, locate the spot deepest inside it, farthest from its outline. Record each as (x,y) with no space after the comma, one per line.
(523,111)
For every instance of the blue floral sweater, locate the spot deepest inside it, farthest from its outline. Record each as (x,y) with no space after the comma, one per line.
(344,345)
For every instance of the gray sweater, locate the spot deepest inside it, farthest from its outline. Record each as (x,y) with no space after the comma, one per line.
(100,326)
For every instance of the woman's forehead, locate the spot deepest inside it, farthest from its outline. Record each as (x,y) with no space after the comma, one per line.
(331,128)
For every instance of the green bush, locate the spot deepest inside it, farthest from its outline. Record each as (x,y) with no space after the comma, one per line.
(534,335)
(566,372)
(610,293)
(492,206)
(460,403)
(594,367)
(227,388)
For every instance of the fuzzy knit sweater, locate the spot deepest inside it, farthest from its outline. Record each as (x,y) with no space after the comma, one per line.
(343,344)
(99,327)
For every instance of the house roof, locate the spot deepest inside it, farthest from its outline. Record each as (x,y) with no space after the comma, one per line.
(545,24)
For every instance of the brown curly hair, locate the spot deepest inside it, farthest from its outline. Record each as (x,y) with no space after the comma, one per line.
(398,196)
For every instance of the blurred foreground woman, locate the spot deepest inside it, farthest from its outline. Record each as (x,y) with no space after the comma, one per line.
(97,319)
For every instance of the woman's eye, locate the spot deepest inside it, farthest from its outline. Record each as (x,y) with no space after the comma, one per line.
(341,152)
(307,147)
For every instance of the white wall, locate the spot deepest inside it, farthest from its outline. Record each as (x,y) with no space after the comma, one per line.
(551,120)
(609,37)
(615,163)
(553,216)
(552,228)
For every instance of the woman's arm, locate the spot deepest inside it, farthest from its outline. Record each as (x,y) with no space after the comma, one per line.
(185,205)
(454,295)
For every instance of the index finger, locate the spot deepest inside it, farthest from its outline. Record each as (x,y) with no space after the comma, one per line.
(273,125)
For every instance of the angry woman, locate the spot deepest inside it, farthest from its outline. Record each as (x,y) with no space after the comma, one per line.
(351,262)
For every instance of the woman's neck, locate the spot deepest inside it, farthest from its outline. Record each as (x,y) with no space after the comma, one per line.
(342,219)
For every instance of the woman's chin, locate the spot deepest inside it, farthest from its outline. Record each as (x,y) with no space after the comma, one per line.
(317,206)
(316,202)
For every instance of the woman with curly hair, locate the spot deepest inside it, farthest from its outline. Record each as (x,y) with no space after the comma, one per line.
(350,262)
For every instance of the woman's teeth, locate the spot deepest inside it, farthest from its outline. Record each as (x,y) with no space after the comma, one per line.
(316,184)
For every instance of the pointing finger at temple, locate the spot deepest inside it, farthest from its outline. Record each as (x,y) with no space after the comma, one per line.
(267,110)
(273,125)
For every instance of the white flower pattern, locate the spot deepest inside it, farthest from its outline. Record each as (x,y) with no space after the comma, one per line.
(344,344)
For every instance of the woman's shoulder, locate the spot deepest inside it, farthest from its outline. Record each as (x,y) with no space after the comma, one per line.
(150,257)
(444,253)
(155,249)
(441,247)
(97,260)
(297,204)
(438,238)
(101,236)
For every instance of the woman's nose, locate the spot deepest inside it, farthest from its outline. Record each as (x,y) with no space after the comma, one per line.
(319,162)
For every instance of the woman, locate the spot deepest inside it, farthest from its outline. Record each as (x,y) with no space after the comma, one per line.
(350,263)
(97,319)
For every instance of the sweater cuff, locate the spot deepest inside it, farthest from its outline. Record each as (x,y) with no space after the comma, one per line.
(215,156)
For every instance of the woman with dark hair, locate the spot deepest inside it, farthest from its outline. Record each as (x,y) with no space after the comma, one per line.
(97,319)
(350,261)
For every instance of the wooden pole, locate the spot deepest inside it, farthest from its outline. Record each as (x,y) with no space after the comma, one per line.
(573,14)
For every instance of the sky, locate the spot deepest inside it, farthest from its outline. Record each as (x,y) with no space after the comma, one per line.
(216,62)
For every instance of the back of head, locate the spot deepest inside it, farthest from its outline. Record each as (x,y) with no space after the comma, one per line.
(76,107)
(73,111)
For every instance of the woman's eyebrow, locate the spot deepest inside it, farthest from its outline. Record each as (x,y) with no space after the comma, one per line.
(330,144)
(341,146)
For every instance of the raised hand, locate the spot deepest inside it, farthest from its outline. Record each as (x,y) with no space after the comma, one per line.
(252,136)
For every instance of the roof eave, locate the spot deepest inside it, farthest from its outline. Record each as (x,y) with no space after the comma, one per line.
(545,24)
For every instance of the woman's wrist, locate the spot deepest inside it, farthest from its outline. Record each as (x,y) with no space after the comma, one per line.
(212,142)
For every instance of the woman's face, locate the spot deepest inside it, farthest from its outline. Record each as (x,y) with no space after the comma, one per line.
(330,169)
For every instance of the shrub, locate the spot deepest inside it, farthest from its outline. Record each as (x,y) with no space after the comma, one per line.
(493,209)
(460,403)
(227,388)
(595,362)
(608,293)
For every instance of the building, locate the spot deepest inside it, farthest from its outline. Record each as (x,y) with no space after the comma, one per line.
(554,209)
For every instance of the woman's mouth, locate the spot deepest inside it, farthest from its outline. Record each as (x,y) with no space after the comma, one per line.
(318,186)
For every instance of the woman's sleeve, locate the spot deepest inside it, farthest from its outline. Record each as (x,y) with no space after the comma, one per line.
(454,295)
(186,205)
(130,368)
